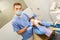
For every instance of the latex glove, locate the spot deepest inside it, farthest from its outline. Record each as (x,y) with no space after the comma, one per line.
(34,15)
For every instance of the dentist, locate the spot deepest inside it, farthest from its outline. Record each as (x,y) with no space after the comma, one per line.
(20,23)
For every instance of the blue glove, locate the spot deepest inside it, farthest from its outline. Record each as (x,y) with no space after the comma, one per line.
(29,25)
(34,15)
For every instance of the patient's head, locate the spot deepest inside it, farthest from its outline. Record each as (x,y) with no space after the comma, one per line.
(34,21)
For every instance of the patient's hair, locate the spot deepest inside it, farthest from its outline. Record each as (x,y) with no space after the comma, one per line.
(34,19)
(31,18)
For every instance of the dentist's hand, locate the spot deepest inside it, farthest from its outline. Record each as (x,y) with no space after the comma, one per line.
(28,25)
(34,15)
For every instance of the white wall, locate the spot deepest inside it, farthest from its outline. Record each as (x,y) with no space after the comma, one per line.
(7,33)
(40,7)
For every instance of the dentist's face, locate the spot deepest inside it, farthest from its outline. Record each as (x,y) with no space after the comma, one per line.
(17,8)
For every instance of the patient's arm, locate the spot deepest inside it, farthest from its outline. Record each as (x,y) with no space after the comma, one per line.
(39,30)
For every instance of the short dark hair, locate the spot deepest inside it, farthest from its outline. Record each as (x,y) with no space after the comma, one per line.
(16,4)
(31,18)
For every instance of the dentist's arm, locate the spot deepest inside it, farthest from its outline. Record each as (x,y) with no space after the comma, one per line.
(17,28)
(21,30)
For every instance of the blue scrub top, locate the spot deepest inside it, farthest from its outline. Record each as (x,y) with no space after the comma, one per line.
(21,22)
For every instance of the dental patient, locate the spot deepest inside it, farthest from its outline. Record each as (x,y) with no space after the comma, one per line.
(41,29)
